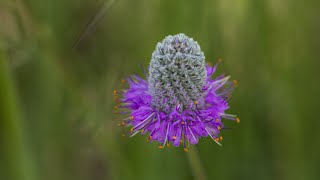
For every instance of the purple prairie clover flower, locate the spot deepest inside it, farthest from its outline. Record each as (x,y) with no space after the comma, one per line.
(179,102)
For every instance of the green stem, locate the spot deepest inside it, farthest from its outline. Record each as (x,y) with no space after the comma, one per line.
(195,164)
(15,159)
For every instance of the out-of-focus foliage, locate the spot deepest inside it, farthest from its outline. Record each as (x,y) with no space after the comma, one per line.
(61,60)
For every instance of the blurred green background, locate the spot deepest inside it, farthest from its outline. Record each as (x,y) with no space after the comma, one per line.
(60,61)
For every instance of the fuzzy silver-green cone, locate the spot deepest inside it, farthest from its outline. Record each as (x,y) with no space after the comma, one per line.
(177,73)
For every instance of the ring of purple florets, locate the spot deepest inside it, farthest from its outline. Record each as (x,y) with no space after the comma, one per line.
(178,126)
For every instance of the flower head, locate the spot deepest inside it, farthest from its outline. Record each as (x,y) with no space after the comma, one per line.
(179,102)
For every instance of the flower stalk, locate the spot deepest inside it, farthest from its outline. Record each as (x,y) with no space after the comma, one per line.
(195,164)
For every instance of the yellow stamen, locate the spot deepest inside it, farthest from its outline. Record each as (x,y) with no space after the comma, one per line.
(238,120)
(114,92)
(174,137)
(123,123)
(180,141)
(221,138)
(168,145)
(217,139)
(131,130)
(142,130)
(160,147)
(195,103)
(150,137)
(219,128)
(185,149)
(217,120)
(235,83)
(115,107)
(131,118)
(123,81)
(182,122)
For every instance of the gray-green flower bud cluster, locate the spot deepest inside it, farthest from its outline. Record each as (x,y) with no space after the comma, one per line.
(177,73)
